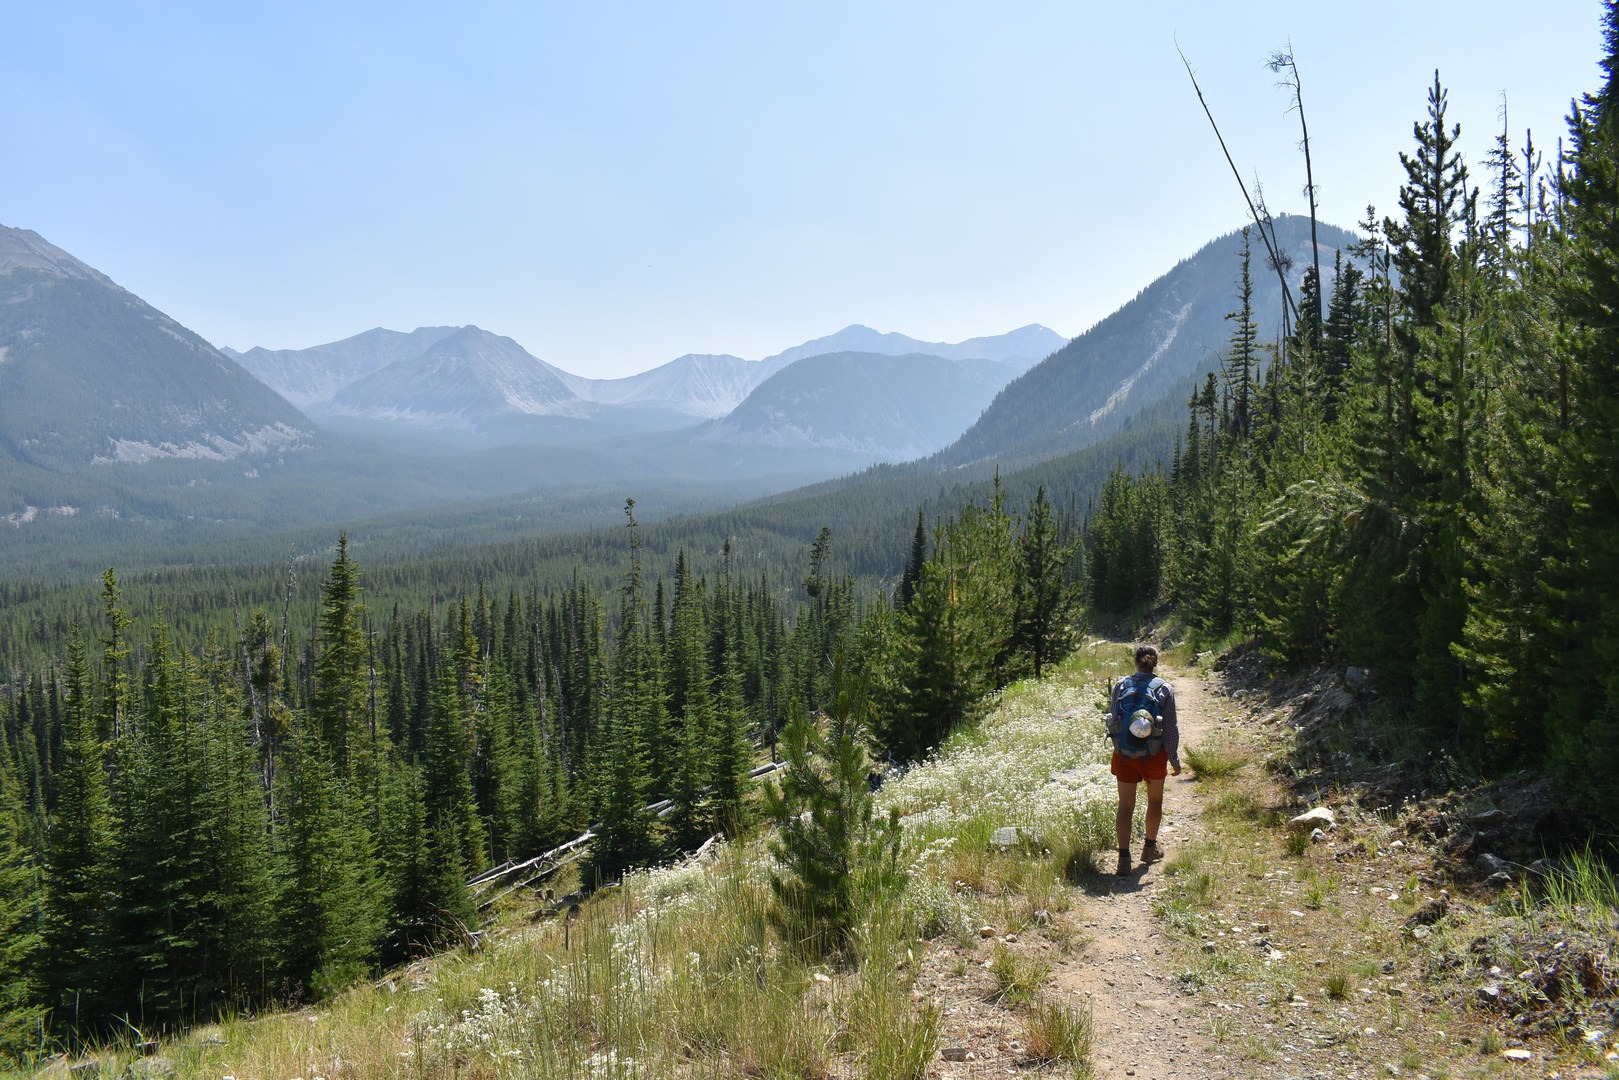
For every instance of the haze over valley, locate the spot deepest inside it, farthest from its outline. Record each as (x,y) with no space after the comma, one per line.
(120,426)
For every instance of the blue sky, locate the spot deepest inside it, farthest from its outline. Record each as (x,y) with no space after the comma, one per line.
(616,184)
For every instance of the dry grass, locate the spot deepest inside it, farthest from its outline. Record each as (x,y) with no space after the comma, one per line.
(1057,1032)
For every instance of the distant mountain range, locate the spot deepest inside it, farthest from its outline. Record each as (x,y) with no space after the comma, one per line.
(111,410)
(308,377)
(467,379)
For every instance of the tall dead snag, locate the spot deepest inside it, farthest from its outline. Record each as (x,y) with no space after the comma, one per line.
(1282,62)
(1276,259)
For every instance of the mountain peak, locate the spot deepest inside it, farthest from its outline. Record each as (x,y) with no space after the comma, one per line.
(24,249)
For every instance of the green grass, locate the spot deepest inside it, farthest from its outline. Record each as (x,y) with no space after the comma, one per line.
(1582,887)
(1017,977)
(1212,762)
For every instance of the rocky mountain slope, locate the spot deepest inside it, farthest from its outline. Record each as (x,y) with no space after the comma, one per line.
(1155,347)
(468,378)
(90,374)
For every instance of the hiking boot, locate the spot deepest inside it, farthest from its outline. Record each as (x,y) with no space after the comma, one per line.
(1124,863)
(1151,852)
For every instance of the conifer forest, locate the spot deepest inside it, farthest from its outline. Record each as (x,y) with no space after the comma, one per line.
(1418,479)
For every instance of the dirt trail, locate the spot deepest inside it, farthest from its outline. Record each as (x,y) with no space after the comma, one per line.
(1144,1025)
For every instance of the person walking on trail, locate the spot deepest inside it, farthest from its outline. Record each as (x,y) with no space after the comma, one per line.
(1146,749)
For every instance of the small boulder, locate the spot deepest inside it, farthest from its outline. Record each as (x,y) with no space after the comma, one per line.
(1489,864)
(1318,836)
(1357,680)
(1007,836)
(1321,817)
(1498,881)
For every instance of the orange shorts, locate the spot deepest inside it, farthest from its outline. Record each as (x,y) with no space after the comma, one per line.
(1133,770)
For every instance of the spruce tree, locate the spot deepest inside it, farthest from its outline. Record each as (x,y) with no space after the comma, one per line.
(339,703)
(620,760)
(1588,583)
(692,708)
(1047,601)
(77,885)
(446,763)
(429,906)
(332,908)
(21,1013)
(914,563)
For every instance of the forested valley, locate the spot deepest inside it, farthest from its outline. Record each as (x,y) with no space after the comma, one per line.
(263,817)
(249,806)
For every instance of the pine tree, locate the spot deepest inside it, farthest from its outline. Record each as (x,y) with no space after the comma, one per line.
(190,863)
(913,565)
(1518,541)
(620,761)
(21,1014)
(1405,551)
(956,640)
(332,913)
(77,892)
(114,659)
(832,851)
(499,762)
(1588,683)
(729,783)
(1047,601)
(339,702)
(1124,543)
(429,906)
(446,763)
(692,706)
(1240,365)
(242,890)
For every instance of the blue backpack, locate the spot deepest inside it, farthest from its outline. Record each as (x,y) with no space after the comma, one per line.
(1133,694)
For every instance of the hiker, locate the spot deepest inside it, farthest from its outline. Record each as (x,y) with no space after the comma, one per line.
(1146,747)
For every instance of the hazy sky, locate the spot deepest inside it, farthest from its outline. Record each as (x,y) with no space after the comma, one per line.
(615,184)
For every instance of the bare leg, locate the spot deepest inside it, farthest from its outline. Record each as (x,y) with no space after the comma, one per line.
(1155,809)
(1127,810)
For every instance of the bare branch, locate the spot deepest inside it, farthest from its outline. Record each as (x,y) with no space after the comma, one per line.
(1270,247)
